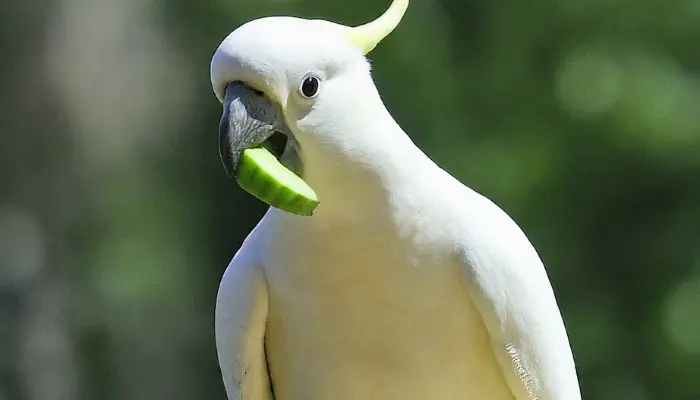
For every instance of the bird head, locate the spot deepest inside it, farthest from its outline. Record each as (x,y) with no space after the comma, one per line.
(302,87)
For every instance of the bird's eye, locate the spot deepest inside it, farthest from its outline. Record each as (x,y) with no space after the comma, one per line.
(309,86)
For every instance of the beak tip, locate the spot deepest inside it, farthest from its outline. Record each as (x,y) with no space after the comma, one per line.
(226,154)
(227,161)
(229,172)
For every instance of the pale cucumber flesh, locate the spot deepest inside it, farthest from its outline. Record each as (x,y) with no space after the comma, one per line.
(263,176)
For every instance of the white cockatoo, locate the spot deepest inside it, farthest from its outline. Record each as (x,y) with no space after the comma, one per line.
(404,283)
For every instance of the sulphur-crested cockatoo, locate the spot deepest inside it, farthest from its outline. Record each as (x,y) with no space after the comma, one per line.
(404,284)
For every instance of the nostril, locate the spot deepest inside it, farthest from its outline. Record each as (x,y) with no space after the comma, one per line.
(254,90)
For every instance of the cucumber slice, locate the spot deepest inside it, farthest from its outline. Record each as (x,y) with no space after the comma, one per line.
(263,176)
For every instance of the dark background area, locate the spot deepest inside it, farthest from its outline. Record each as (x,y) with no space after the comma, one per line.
(580,118)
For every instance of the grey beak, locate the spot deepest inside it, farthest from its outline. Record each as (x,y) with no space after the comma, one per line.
(249,118)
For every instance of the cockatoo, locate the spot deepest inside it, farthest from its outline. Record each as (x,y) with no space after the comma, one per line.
(404,283)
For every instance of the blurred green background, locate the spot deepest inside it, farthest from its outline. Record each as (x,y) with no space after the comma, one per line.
(580,118)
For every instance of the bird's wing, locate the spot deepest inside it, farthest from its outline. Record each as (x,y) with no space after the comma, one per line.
(241,312)
(510,288)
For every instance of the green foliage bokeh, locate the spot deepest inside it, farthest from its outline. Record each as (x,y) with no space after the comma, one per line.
(580,118)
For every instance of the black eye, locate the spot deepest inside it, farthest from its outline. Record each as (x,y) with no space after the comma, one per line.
(309,87)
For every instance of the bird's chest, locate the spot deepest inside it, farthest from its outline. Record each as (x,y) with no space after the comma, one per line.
(373,314)
(349,269)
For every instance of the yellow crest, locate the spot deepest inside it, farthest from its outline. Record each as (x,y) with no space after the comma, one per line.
(367,36)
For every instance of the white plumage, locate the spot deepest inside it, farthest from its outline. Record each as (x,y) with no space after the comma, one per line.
(405,284)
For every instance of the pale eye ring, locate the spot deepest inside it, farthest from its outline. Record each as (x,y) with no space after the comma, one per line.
(310,86)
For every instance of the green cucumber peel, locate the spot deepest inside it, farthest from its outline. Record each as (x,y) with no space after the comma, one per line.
(263,176)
